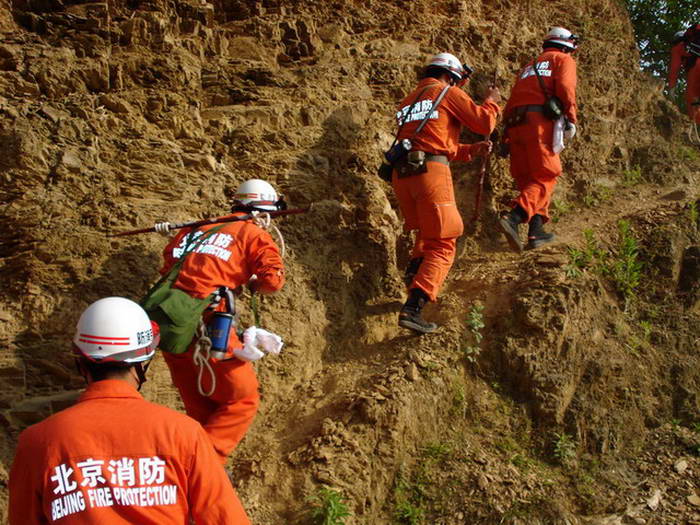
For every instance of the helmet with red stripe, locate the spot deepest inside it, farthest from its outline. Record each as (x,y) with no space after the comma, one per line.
(451,64)
(256,194)
(561,38)
(116,330)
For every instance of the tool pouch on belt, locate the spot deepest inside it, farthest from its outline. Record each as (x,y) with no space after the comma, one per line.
(394,156)
(552,108)
(412,164)
(397,155)
(176,312)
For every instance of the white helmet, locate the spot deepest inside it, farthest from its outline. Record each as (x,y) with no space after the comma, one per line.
(115,329)
(256,193)
(452,64)
(561,37)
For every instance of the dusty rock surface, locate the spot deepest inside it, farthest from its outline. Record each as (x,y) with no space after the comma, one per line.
(578,404)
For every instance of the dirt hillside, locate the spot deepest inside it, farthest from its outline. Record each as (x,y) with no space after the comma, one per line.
(576,402)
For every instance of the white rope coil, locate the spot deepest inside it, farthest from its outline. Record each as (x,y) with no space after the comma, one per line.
(200,356)
(264,221)
(162,227)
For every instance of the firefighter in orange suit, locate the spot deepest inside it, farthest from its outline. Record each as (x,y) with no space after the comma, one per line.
(114,458)
(684,54)
(230,258)
(427,199)
(535,139)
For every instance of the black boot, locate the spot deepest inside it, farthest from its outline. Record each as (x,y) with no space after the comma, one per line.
(409,317)
(536,236)
(412,270)
(509,224)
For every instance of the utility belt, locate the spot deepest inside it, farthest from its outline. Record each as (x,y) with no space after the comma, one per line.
(415,163)
(515,117)
(518,115)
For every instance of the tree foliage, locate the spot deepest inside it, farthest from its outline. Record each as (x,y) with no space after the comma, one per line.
(655,22)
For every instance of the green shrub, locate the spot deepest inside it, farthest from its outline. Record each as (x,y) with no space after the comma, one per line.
(328,507)
(622,265)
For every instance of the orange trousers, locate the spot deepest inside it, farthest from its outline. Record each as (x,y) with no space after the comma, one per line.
(227,414)
(427,203)
(533,164)
(692,92)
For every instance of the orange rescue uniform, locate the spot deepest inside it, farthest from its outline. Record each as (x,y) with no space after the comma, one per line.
(116,459)
(427,200)
(680,58)
(227,258)
(533,164)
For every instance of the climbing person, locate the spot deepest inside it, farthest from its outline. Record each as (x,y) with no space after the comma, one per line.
(685,50)
(212,264)
(539,115)
(113,457)
(430,121)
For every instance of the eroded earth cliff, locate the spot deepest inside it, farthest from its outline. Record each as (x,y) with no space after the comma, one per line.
(580,404)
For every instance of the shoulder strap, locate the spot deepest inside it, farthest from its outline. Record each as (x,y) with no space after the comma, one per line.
(195,243)
(433,108)
(539,79)
(403,121)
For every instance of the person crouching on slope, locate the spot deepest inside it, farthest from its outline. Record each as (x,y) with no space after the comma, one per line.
(222,394)
(535,135)
(423,184)
(114,458)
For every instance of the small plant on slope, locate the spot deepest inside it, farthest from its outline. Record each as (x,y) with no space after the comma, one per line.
(625,269)
(693,213)
(328,507)
(408,496)
(564,448)
(475,322)
(632,177)
(591,255)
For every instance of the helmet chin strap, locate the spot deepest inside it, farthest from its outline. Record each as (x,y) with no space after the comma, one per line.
(140,369)
(81,369)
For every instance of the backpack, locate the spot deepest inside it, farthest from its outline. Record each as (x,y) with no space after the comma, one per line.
(176,312)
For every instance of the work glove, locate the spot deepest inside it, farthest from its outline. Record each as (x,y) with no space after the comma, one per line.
(253,283)
(481,149)
(569,130)
(256,343)
(494,94)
